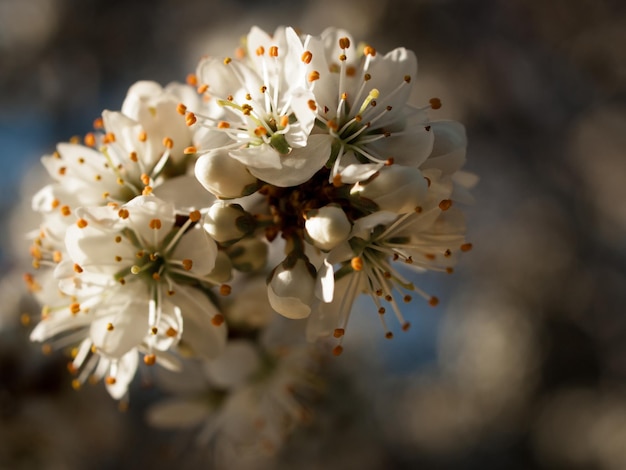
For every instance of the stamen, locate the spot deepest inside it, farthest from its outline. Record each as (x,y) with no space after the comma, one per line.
(307,56)
(192,79)
(435,103)
(445,204)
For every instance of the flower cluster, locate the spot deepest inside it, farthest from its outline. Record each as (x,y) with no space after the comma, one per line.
(298,161)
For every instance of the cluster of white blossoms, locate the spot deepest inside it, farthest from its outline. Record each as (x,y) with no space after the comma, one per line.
(298,161)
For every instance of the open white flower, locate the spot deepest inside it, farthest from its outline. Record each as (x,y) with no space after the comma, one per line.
(361,100)
(427,240)
(150,260)
(268,110)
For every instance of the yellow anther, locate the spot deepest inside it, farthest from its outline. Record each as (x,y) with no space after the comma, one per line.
(62,170)
(145,179)
(110,380)
(110,327)
(90,140)
(466,247)
(123,213)
(118,259)
(343,57)
(55,203)
(435,103)
(81,223)
(274,51)
(344,43)
(407,78)
(155,224)
(284,121)
(76,384)
(307,56)
(314,75)
(190,119)
(154,330)
(445,204)
(225,289)
(202,89)
(337,350)
(187,264)
(194,216)
(143,136)
(133,156)
(356,263)
(192,80)
(312,105)
(227,60)
(339,332)
(223,125)
(77,268)
(149,359)
(369,50)
(168,142)
(74,308)
(98,123)
(171,332)
(217,320)
(260,131)
(190,150)
(146,191)
(109,137)
(260,51)
(156,276)
(181,109)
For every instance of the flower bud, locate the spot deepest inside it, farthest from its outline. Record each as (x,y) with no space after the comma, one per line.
(224,176)
(327,227)
(291,288)
(395,188)
(227,223)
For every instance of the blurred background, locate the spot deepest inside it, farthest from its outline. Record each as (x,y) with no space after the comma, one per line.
(523,363)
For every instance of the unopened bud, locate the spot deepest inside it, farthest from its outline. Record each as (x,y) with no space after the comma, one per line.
(224,176)
(227,223)
(327,227)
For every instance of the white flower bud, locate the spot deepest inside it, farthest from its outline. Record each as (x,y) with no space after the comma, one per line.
(396,188)
(327,227)
(224,176)
(227,222)
(291,289)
